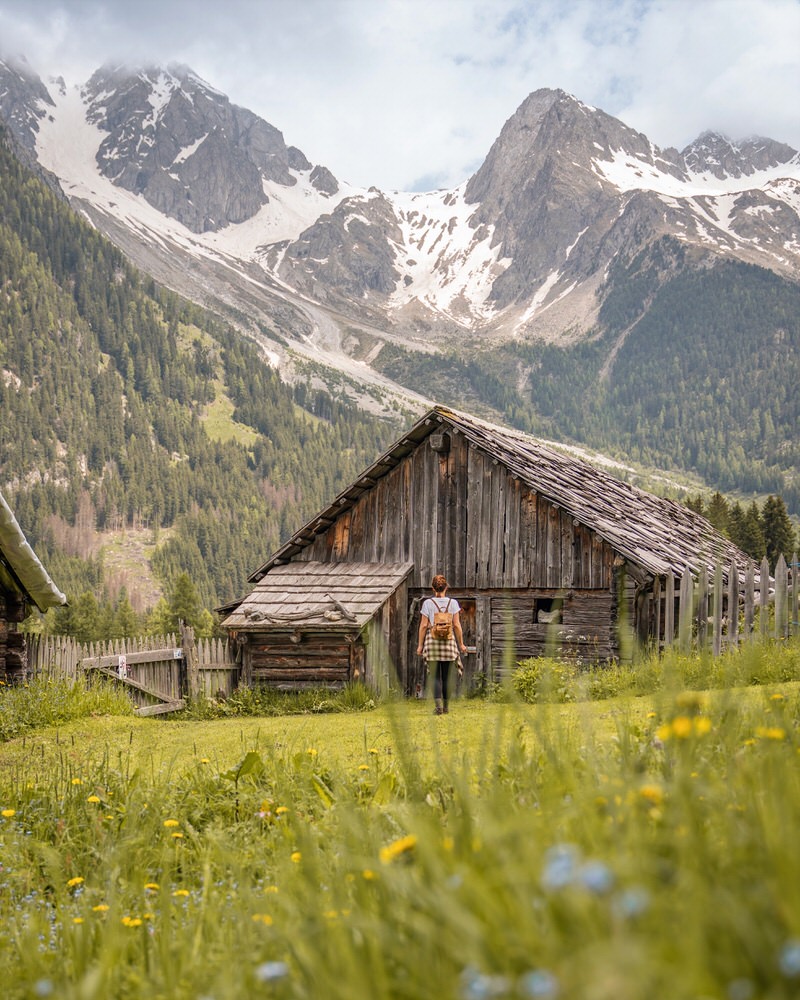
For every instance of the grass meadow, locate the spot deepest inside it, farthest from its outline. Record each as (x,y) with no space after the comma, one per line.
(599,848)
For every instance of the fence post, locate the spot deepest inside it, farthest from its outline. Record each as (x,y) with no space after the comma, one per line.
(669,610)
(702,608)
(717,637)
(685,612)
(190,656)
(733,606)
(794,623)
(781,599)
(749,602)
(763,599)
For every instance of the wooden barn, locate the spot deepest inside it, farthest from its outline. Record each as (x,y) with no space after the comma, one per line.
(538,546)
(23,582)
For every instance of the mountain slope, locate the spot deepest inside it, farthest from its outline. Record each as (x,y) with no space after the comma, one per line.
(572,233)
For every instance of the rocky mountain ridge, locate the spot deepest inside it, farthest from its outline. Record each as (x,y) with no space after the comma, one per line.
(208,198)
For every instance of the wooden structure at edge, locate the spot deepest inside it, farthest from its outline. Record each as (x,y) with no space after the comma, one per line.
(539,547)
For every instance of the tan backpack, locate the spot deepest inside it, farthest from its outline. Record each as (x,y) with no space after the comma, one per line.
(442,623)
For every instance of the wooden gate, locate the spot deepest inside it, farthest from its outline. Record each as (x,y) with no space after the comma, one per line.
(155,678)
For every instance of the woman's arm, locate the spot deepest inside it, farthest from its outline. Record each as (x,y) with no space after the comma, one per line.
(424,624)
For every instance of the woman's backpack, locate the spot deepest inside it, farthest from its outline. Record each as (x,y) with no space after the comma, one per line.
(442,623)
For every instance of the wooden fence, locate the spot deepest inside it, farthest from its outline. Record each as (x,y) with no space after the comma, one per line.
(720,610)
(168,667)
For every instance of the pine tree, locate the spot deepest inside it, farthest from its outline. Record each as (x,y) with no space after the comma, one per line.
(779,536)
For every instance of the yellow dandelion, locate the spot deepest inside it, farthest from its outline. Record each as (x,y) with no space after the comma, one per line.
(771,733)
(181,892)
(398,848)
(100,908)
(651,715)
(151,886)
(204,760)
(296,856)
(169,823)
(281,810)
(77,920)
(331,914)
(93,798)
(148,916)
(372,750)
(664,732)
(271,888)
(8,813)
(776,697)
(312,752)
(77,781)
(681,727)
(749,743)
(702,725)
(132,921)
(368,875)
(363,767)
(177,836)
(263,918)
(75,881)
(653,794)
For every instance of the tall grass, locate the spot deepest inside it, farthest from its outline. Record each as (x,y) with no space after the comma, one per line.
(50,702)
(548,861)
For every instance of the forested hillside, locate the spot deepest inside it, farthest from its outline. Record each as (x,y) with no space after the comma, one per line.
(707,381)
(125,407)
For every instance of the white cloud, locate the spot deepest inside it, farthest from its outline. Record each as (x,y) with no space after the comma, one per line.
(394,92)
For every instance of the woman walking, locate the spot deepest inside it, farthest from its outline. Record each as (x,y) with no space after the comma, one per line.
(440,638)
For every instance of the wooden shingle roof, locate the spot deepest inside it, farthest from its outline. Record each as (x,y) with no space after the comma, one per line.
(657,535)
(20,569)
(323,595)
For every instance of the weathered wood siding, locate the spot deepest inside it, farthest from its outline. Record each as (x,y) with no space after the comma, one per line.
(462,514)
(274,658)
(13,651)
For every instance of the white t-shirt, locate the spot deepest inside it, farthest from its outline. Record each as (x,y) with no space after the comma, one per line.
(433,604)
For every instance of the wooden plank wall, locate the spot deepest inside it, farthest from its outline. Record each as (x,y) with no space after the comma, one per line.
(462,514)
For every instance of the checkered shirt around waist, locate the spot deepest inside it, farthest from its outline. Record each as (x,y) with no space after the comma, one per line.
(439,649)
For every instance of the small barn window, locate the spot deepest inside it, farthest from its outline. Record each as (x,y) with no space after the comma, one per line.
(547,610)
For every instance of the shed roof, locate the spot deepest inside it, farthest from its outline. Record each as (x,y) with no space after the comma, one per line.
(20,570)
(656,534)
(341,596)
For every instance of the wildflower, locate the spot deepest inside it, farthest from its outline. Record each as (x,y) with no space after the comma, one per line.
(596,878)
(539,983)
(312,752)
(296,857)
(560,866)
(204,760)
(151,886)
(702,725)
(789,959)
(372,750)
(169,823)
(476,985)
(651,715)
(771,732)
(8,813)
(77,920)
(132,921)
(262,918)
(177,836)
(368,875)
(270,972)
(271,888)
(148,916)
(632,903)
(363,767)
(93,798)
(654,794)
(77,781)
(681,727)
(100,908)
(43,988)
(180,892)
(777,697)
(73,882)
(398,848)
(281,810)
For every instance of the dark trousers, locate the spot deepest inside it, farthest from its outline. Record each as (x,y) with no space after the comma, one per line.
(440,679)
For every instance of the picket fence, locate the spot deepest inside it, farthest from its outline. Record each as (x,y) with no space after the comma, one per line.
(713,610)
(175,665)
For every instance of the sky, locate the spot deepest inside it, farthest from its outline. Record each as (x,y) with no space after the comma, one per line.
(410,94)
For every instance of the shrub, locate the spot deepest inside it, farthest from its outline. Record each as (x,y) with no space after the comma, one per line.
(542,679)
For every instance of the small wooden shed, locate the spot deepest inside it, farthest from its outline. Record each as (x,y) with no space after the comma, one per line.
(321,623)
(538,546)
(23,582)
